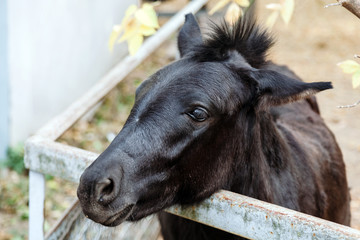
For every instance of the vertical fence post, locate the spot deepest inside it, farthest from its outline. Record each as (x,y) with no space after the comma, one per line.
(36,205)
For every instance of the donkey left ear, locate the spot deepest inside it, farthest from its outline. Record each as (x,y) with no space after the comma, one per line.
(189,35)
(276,88)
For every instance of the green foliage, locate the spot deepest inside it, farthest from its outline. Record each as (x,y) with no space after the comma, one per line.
(16,235)
(14,202)
(14,196)
(15,159)
(137,82)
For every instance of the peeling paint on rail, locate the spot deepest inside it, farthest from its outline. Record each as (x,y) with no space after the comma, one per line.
(231,212)
(255,219)
(57,159)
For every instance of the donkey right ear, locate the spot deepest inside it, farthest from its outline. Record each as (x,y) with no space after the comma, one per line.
(189,35)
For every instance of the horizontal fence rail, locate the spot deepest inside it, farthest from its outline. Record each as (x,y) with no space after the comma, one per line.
(255,219)
(73,225)
(231,212)
(237,214)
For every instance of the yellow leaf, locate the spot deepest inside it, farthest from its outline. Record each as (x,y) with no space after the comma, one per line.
(131,9)
(233,13)
(274,6)
(114,35)
(218,6)
(136,24)
(150,11)
(147,31)
(270,21)
(134,43)
(130,30)
(287,10)
(356,79)
(128,14)
(147,16)
(349,66)
(243,3)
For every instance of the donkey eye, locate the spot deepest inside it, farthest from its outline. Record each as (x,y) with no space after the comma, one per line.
(199,114)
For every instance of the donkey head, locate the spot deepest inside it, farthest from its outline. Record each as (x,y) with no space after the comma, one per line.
(181,140)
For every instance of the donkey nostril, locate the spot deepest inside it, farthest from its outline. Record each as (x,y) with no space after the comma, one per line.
(107,186)
(105,190)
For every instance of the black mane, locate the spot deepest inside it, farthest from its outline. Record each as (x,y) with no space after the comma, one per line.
(245,36)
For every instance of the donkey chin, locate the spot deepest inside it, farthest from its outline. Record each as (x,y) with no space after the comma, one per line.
(99,197)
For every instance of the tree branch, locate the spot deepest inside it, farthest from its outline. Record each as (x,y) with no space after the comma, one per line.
(350,106)
(352,5)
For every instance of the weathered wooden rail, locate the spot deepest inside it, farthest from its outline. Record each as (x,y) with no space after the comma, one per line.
(225,210)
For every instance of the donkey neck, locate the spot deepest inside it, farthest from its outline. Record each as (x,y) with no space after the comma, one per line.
(261,158)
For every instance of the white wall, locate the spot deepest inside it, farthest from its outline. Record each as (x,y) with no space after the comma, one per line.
(4,86)
(56,51)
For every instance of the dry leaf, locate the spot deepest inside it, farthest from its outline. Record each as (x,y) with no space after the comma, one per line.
(270,21)
(356,79)
(243,3)
(136,24)
(147,16)
(114,35)
(147,31)
(274,6)
(219,5)
(130,11)
(287,10)
(135,43)
(131,28)
(349,66)
(233,13)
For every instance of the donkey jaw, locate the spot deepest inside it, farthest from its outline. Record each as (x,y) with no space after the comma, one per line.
(119,217)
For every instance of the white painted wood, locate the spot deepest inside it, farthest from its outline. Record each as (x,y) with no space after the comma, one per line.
(36,205)
(73,226)
(66,162)
(255,219)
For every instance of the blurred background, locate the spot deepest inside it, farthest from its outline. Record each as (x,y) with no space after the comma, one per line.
(52,52)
